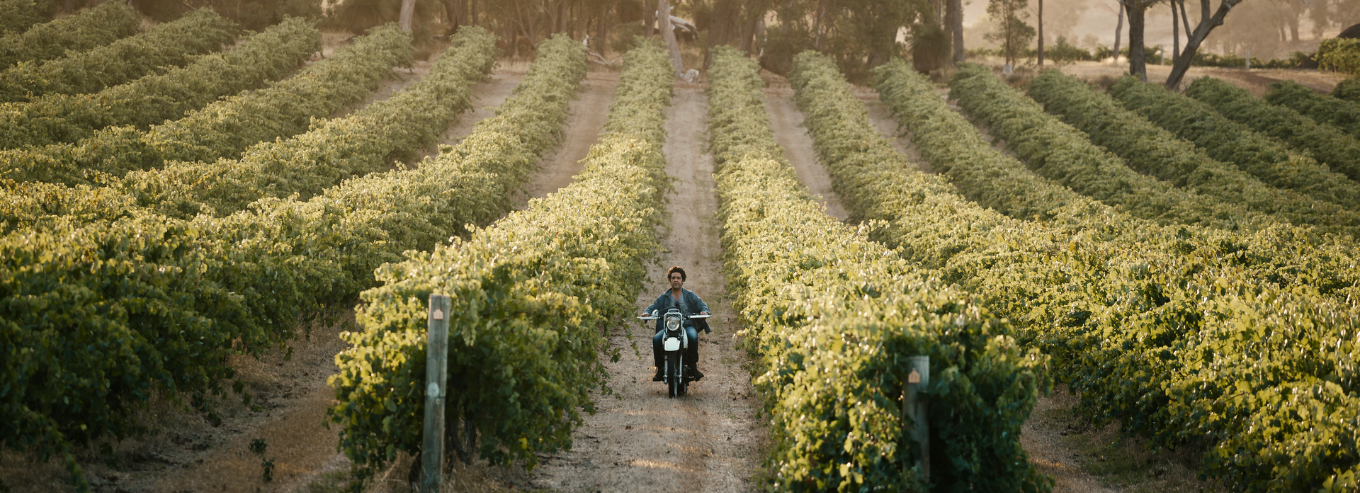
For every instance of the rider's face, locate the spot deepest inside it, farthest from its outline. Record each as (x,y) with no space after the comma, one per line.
(676,280)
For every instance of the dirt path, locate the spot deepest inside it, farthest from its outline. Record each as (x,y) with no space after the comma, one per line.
(486,96)
(640,440)
(789,132)
(586,119)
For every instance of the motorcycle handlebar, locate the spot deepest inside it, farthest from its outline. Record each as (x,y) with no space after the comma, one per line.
(691,317)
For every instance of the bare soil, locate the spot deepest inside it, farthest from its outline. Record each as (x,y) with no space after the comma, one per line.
(390,85)
(486,97)
(1081,457)
(639,439)
(584,123)
(792,136)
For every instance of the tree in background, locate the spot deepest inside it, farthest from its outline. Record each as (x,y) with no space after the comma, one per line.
(252,14)
(1207,24)
(1012,32)
(954,21)
(858,34)
(16,16)
(358,16)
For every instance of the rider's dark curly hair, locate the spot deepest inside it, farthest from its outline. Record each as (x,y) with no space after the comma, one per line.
(674,270)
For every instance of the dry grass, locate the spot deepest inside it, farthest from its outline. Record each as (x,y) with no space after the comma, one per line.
(1103,73)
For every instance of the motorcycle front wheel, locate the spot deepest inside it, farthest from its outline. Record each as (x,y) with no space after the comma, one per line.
(674,377)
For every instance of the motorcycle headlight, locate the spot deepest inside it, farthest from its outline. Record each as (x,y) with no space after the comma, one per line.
(672,323)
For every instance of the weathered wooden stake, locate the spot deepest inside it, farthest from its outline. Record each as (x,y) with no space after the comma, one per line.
(436,376)
(913,407)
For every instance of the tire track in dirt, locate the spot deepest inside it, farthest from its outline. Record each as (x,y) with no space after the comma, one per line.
(640,440)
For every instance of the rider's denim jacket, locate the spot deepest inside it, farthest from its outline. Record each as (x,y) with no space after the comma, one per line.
(690,305)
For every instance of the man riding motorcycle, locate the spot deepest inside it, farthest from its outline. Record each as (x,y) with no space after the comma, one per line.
(689,304)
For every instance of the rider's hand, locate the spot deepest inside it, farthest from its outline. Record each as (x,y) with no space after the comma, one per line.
(705,313)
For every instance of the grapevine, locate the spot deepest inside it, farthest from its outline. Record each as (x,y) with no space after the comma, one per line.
(1348,90)
(530,294)
(1231,142)
(1181,334)
(832,318)
(1151,150)
(1328,145)
(220,130)
(98,26)
(16,16)
(155,304)
(1339,113)
(1057,151)
(260,58)
(173,43)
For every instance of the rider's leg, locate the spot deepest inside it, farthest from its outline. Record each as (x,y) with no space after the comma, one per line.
(692,355)
(656,356)
(657,352)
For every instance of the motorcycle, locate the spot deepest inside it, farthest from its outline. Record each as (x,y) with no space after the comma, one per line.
(675,342)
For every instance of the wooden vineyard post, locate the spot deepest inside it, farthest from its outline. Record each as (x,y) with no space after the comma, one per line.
(436,374)
(914,407)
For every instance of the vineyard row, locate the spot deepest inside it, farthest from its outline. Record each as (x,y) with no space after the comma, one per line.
(1243,342)
(223,129)
(1063,155)
(1231,142)
(170,44)
(532,296)
(260,58)
(1322,108)
(86,30)
(1153,151)
(155,304)
(16,16)
(1329,145)
(832,318)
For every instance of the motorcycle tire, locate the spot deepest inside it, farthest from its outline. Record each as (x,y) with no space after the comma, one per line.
(674,378)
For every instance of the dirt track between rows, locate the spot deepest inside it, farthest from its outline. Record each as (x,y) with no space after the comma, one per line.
(640,440)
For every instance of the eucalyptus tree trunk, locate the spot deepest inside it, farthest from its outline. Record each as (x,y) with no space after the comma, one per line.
(723,28)
(1137,60)
(1041,33)
(602,28)
(821,27)
(1118,31)
(1175,33)
(954,17)
(663,17)
(408,8)
(648,15)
